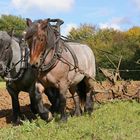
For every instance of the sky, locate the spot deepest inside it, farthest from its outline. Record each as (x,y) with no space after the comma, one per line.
(117,14)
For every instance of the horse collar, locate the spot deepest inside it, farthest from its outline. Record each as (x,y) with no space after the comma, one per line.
(23,63)
(52,63)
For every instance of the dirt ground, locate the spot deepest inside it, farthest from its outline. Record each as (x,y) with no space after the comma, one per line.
(6,106)
(104,92)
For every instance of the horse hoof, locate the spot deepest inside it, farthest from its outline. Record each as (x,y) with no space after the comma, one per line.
(77,114)
(50,117)
(17,122)
(46,116)
(23,117)
(64,119)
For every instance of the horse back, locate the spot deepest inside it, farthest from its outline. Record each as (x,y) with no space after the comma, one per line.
(85,57)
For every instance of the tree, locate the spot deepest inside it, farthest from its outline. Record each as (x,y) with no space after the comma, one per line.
(84,33)
(9,22)
(109,45)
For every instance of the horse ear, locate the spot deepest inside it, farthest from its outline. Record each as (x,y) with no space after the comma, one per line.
(44,23)
(28,22)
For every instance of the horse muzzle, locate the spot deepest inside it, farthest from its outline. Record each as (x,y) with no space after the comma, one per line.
(36,65)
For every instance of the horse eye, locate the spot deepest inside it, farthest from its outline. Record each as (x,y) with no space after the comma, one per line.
(40,39)
(7,47)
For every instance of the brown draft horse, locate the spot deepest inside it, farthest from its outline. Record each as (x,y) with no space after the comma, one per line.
(62,65)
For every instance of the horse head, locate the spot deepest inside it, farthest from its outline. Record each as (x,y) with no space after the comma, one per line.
(5,52)
(37,38)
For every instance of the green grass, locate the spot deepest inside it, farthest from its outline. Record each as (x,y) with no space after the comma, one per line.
(2,85)
(111,121)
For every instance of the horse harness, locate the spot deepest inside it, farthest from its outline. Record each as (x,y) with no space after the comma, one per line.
(58,49)
(23,64)
(57,55)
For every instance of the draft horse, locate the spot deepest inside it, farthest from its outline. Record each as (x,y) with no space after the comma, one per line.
(20,76)
(62,65)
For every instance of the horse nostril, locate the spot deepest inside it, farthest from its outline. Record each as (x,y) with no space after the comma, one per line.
(33,66)
(36,64)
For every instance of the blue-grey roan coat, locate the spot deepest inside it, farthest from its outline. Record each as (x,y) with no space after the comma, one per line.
(56,61)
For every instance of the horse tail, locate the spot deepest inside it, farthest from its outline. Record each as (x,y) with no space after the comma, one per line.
(82,94)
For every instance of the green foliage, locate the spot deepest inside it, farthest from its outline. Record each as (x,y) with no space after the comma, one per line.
(110,44)
(110,121)
(85,33)
(9,22)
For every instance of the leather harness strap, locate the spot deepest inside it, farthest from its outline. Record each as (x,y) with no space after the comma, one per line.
(52,63)
(58,45)
(57,55)
(73,54)
(23,64)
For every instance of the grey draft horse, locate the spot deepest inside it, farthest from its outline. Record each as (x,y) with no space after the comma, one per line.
(62,65)
(20,76)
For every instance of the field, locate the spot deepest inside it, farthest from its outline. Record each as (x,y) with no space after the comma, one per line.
(111,120)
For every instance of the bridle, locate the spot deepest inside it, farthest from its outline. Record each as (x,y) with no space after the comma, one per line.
(55,45)
(58,49)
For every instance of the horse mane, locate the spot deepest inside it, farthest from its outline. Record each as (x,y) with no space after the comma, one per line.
(51,36)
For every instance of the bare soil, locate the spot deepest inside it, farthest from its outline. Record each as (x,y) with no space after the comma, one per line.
(6,106)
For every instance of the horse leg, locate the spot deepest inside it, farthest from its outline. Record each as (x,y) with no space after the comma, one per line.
(53,96)
(17,115)
(63,90)
(33,104)
(89,92)
(73,91)
(44,113)
(81,87)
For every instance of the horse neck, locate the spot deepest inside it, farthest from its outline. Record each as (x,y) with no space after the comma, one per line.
(16,50)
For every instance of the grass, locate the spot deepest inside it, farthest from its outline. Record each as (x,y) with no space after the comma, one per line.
(111,121)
